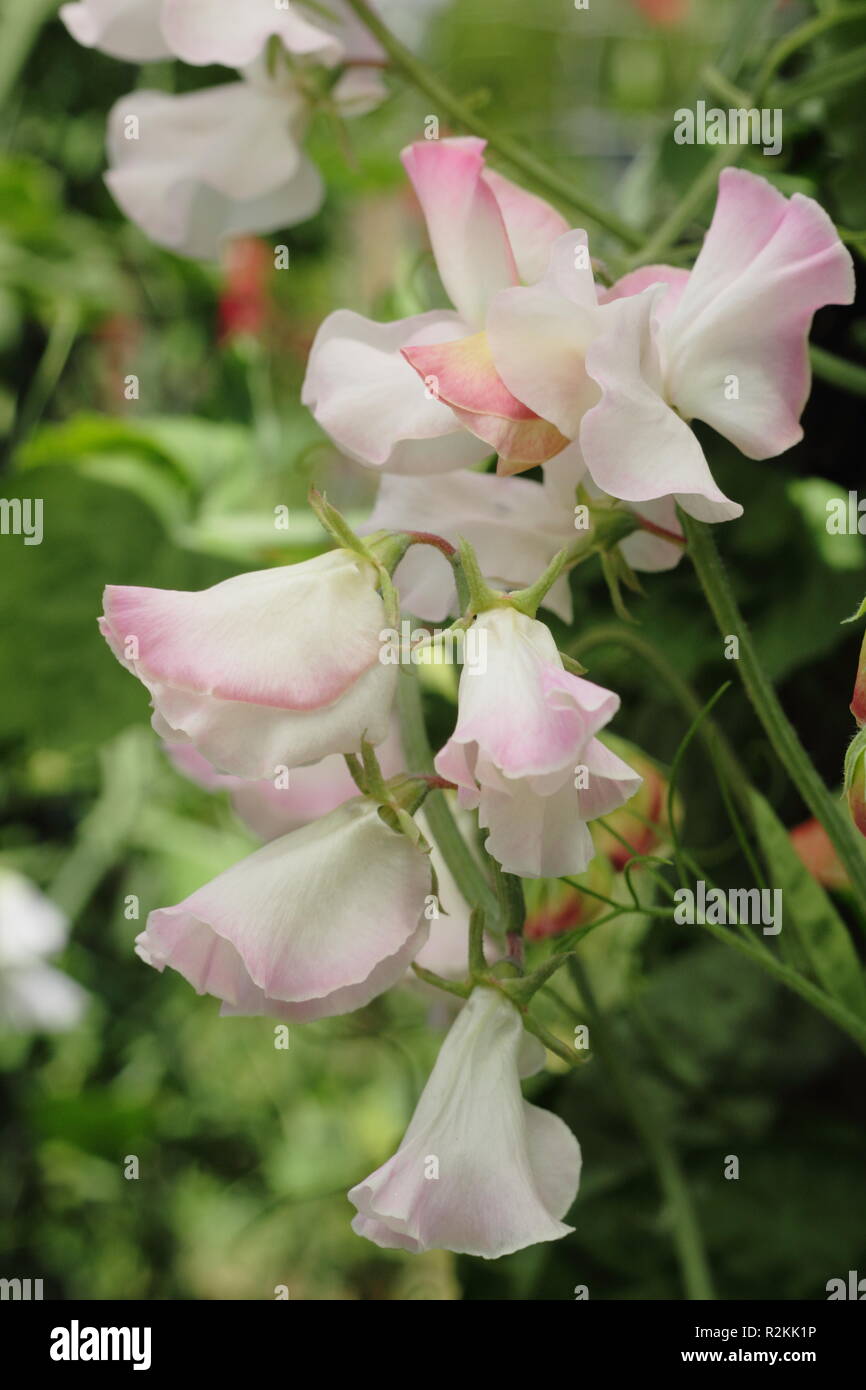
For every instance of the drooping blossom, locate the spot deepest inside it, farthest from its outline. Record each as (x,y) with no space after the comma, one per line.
(525,751)
(275,806)
(34,995)
(316,923)
(271,669)
(480,1171)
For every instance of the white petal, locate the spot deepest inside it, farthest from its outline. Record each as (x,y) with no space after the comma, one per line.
(374,405)
(187,178)
(498,1166)
(127,29)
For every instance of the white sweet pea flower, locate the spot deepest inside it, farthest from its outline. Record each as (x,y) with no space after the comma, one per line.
(235,32)
(525,753)
(275,668)
(229,32)
(316,923)
(33,994)
(480,1171)
(196,169)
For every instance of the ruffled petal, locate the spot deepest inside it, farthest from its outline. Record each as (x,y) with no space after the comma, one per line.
(366,396)
(636,447)
(766,265)
(463,376)
(538,337)
(485,1196)
(318,920)
(291,637)
(464,222)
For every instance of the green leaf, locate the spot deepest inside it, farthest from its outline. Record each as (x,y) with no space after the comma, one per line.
(820,934)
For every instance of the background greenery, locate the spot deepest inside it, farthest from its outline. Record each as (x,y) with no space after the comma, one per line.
(247,1152)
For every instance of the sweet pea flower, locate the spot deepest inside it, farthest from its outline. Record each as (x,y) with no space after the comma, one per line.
(266,670)
(316,923)
(273,807)
(525,753)
(480,1171)
(180,166)
(362,380)
(34,995)
(625,372)
(514,525)
(229,32)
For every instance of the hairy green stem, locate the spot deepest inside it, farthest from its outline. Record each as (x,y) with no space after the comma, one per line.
(780,732)
(557,185)
(686,1231)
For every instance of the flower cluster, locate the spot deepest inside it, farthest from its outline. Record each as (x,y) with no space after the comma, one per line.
(180,165)
(265,682)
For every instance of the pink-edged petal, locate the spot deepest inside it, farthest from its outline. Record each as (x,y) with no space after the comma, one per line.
(610,782)
(366,396)
(314,914)
(639,280)
(490,1197)
(464,222)
(532,225)
(456,763)
(767,264)
(292,637)
(636,447)
(463,376)
(256,741)
(504,706)
(538,338)
(592,705)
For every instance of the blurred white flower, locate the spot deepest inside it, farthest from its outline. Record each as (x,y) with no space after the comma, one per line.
(33,994)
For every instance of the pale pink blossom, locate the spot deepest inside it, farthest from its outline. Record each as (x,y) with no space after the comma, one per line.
(525,751)
(375,388)
(316,923)
(625,372)
(271,669)
(480,1171)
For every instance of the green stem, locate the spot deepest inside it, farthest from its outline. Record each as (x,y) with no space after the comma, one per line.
(691,203)
(687,1236)
(516,154)
(802,35)
(837,1013)
(849,376)
(19,30)
(462,863)
(780,732)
